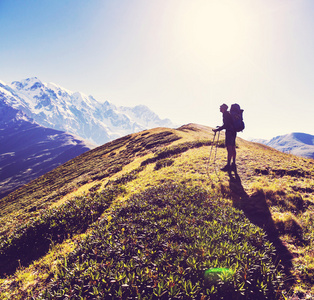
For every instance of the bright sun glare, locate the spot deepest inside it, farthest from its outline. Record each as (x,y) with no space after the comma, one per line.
(213,30)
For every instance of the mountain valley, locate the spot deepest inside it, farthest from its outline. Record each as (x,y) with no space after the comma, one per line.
(28,150)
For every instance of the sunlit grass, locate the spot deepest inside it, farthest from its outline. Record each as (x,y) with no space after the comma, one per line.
(26,280)
(79,192)
(287,186)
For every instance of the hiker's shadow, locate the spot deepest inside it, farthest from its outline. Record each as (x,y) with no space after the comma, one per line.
(257,211)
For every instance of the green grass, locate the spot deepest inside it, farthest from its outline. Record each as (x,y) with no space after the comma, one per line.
(95,165)
(149,216)
(33,239)
(159,246)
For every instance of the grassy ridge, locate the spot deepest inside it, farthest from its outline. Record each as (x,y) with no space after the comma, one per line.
(148,214)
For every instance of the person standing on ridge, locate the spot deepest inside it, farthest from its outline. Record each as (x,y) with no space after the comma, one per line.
(231,135)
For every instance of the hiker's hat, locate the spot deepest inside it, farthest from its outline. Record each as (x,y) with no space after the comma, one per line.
(225,106)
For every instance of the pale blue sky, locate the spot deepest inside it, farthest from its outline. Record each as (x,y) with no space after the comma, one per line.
(181,58)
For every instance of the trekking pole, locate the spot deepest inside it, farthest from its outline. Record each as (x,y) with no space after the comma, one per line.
(211,149)
(216,154)
(210,153)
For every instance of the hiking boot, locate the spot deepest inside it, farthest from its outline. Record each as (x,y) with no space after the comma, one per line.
(226,168)
(233,167)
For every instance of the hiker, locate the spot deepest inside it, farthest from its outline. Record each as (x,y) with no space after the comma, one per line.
(231,135)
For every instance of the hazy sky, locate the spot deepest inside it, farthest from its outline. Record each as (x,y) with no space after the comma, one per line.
(181,58)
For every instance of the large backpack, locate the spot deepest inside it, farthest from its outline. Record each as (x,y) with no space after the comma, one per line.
(237,117)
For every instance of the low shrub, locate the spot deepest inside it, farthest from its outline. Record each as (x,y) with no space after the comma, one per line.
(107,173)
(287,223)
(175,150)
(163,163)
(296,202)
(166,243)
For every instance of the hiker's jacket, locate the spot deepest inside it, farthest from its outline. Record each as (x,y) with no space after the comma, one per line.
(227,122)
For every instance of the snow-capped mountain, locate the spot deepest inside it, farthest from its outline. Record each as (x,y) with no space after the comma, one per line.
(28,150)
(55,107)
(300,144)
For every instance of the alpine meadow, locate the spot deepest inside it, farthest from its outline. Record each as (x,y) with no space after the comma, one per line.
(151,216)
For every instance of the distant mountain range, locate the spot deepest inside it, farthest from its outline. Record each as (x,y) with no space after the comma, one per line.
(28,150)
(55,107)
(297,143)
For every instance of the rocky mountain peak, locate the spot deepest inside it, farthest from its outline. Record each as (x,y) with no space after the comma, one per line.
(53,106)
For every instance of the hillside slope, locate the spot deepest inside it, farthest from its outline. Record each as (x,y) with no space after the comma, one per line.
(28,150)
(148,215)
